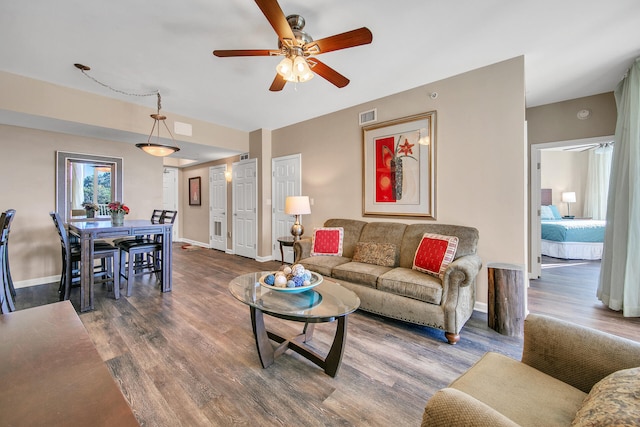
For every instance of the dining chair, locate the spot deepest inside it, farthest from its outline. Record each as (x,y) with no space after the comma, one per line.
(9,214)
(6,297)
(143,256)
(71,254)
(155,219)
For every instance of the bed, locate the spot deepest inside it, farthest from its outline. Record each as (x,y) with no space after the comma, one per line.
(569,238)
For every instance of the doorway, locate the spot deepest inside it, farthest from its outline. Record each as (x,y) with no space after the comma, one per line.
(245,201)
(286,182)
(535,178)
(218,208)
(170,194)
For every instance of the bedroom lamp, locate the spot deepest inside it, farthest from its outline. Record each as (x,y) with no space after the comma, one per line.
(297,205)
(568,198)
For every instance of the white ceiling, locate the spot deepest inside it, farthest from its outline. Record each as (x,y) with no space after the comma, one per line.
(572,49)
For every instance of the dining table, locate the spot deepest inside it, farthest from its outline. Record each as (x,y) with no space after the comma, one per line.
(52,374)
(89,231)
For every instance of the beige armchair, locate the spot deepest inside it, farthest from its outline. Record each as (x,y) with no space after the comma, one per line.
(561,363)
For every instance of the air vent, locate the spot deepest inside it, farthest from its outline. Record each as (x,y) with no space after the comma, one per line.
(367,117)
(244,156)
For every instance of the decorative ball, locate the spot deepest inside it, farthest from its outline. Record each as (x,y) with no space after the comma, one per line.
(270,279)
(280,280)
(291,284)
(286,270)
(297,281)
(297,269)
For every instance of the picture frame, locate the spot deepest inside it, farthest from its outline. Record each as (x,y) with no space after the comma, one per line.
(399,167)
(194,192)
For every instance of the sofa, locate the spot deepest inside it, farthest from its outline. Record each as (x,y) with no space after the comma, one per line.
(568,375)
(376,262)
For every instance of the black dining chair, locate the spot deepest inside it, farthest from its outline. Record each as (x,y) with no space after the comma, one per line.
(108,271)
(143,256)
(6,291)
(9,214)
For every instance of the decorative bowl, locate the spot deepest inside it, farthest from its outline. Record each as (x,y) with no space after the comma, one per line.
(316,279)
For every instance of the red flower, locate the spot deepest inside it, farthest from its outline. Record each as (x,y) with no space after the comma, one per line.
(118,207)
(405,148)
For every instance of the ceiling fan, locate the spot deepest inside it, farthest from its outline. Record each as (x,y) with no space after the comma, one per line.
(299,49)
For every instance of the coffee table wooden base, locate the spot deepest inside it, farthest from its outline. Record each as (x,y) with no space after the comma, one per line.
(267,353)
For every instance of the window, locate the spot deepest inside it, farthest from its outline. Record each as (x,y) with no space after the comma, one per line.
(84,178)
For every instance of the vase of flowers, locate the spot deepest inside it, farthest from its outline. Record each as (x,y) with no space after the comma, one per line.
(90,208)
(118,210)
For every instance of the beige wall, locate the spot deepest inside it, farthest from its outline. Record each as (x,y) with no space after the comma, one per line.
(565,171)
(194,220)
(28,174)
(480,151)
(480,158)
(35,99)
(559,121)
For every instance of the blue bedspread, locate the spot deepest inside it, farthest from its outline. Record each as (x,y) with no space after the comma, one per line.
(573,230)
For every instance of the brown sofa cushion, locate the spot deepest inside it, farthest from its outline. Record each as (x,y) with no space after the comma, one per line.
(352,230)
(412,284)
(323,264)
(383,254)
(360,273)
(614,401)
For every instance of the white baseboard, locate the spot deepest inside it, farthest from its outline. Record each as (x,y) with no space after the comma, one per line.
(36,281)
(264,258)
(482,307)
(195,243)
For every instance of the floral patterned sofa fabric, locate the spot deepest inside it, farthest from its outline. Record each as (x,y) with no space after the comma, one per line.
(381,272)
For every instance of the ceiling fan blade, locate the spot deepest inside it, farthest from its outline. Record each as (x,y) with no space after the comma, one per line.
(272,11)
(278,83)
(247,52)
(340,41)
(327,73)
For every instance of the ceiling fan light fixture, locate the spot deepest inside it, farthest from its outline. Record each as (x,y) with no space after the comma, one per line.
(301,70)
(285,68)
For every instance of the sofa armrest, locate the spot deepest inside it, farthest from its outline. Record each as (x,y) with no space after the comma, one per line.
(451,407)
(463,271)
(301,249)
(574,354)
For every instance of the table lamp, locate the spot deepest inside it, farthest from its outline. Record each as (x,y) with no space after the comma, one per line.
(569,197)
(297,205)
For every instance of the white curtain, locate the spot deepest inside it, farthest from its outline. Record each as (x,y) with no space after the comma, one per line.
(77,187)
(595,200)
(619,286)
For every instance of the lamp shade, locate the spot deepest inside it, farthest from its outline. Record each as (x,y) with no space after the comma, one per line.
(569,197)
(158,150)
(297,205)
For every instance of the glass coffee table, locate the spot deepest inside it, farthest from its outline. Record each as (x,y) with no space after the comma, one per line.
(326,302)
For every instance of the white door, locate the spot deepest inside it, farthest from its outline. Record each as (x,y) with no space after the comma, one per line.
(218,208)
(245,200)
(286,181)
(170,195)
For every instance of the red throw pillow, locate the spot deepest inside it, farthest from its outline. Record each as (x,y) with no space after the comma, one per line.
(327,241)
(435,252)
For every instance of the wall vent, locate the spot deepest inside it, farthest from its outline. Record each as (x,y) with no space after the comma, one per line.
(244,156)
(367,117)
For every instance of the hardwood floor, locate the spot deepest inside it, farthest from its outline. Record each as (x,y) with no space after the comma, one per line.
(567,290)
(188,357)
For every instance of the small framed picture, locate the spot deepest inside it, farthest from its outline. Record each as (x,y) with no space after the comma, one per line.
(194,191)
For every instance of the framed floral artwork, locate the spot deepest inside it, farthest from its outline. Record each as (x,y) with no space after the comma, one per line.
(194,191)
(399,167)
